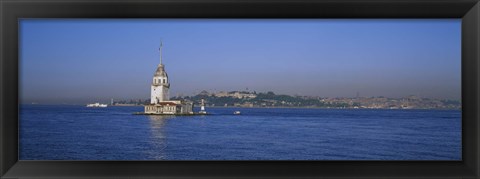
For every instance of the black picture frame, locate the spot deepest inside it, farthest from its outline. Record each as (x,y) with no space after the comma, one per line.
(11,11)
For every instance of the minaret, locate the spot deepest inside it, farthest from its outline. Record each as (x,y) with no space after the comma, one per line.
(160,84)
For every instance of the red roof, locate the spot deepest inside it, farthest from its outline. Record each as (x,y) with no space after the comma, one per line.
(167,103)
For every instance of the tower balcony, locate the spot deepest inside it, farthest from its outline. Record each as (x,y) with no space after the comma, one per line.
(161,84)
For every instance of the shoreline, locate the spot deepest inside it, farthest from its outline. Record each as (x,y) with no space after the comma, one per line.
(281,107)
(275,107)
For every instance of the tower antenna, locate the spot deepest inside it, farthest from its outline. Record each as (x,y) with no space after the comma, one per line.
(161,45)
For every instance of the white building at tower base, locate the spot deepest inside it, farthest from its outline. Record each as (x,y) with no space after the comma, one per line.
(170,108)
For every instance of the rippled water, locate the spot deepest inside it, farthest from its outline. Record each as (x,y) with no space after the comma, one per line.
(50,132)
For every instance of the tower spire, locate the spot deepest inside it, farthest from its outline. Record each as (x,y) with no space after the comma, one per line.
(161,45)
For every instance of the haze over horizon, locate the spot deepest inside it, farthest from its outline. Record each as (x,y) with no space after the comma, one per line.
(84,61)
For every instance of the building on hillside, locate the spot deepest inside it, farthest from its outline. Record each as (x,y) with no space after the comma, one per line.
(159,98)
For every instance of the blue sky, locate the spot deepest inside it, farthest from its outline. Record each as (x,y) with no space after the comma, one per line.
(79,61)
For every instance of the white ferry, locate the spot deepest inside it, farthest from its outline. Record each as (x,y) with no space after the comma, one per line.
(97,105)
(236,112)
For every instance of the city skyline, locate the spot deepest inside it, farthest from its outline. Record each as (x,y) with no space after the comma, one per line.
(79,61)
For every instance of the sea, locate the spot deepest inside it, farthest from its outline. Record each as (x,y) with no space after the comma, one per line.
(70,132)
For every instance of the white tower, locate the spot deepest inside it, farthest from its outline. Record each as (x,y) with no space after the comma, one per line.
(202,108)
(160,84)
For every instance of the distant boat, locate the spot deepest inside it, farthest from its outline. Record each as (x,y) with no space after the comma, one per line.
(236,112)
(97,105)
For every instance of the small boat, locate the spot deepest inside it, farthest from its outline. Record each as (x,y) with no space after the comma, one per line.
(97,105)
(236,112)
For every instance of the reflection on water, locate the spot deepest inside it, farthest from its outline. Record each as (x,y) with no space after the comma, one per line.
(158,135)
(158,121)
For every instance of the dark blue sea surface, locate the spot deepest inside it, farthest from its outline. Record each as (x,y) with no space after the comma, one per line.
(63,132)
